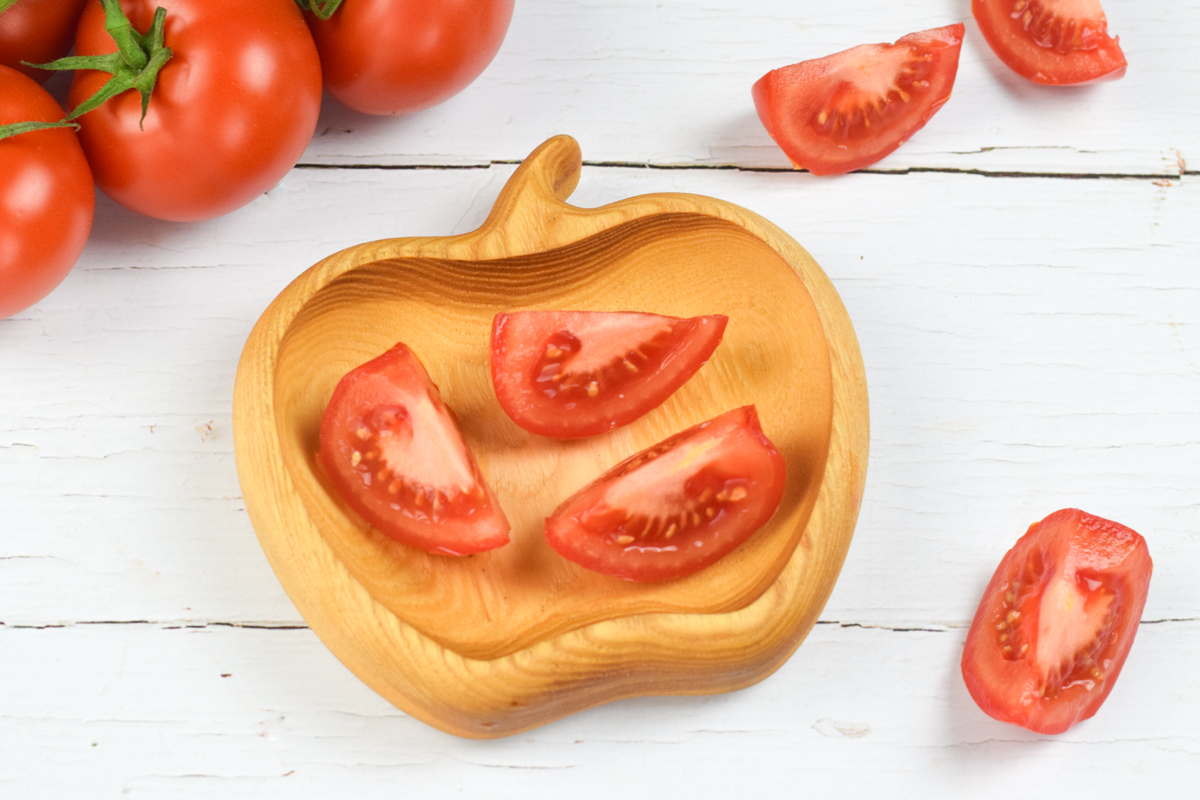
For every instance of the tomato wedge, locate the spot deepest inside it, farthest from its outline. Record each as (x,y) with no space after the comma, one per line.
(394,454)
(569,374)
(1057,621)
(1054,42)
(676,507)
(846,111)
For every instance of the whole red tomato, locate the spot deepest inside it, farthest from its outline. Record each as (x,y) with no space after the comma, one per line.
(397,56)
(230,114)
(37,31)
(46,196)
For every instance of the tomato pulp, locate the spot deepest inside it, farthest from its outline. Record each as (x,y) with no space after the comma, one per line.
(569,374)
(846,111)
(394,454)
(47,198)
(1057,621)
(230,114)
(676,507)
(1055,42)
(400,56)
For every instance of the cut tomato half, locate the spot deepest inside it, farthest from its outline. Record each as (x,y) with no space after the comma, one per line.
(569,374)
(1055,42)
(394,454)
(846,111)
(1057,621)
(677,507)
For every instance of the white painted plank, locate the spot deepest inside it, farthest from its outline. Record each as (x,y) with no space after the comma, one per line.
(1030,345)
(669,83)
(856,713)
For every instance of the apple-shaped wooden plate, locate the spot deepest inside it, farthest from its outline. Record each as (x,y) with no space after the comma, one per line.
(503,641)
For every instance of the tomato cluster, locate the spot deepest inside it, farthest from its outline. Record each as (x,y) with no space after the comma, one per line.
(391,449)
(187,110)
(846,111)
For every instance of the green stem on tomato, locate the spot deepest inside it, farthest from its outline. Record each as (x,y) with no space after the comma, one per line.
(17,128)
(135,65)
(323,9)
(5,5)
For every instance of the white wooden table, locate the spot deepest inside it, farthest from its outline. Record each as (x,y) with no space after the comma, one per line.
(1024,277)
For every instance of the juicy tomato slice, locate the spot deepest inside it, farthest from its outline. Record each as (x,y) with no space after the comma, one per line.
(393,452)
(676,507)
(1054,42)
(1057,621)
(846,111)
(569,374)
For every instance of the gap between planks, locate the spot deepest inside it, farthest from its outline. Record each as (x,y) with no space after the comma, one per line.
(736,168)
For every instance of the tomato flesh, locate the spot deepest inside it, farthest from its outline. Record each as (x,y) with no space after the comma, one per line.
(1057,621)
(569,374)
(393,452)
(47,198)
(676,507)
(846,111)
(1054,42)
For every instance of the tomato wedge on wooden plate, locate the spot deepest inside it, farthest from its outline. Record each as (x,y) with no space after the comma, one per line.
(1055,42)
(1057,621)
(846,111)
(676,507)
(569,374)
(393,452)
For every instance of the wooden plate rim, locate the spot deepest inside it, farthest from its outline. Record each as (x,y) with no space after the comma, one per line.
(604,661)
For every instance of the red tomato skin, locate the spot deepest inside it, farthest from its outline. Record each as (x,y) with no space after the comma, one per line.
(789,100)
(1000,24)
(400,56)
(231,113)
(517,343)
(396,379)
(1008,689)
(47,199)
(38,31)
(584,527)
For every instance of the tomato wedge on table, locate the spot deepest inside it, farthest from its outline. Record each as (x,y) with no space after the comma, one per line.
(393,452)
(1057,621)
(846,111)
(569,374)
(676,507)
(1054,42)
